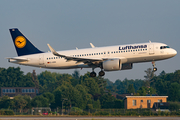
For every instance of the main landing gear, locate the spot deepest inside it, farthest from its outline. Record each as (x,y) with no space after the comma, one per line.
(154,66)
(93,74)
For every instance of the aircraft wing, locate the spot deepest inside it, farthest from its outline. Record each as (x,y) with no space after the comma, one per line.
(78,59)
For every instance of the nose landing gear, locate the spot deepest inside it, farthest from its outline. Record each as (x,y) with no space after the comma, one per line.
(154,66)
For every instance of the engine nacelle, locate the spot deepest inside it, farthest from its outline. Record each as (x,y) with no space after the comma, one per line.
(115,64)
(111,65)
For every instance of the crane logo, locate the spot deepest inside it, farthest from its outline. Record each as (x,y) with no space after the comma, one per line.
(20,42)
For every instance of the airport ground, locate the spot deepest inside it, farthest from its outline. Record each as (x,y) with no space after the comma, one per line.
(89,118)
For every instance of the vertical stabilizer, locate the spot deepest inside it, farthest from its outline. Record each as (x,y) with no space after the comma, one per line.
(22,44)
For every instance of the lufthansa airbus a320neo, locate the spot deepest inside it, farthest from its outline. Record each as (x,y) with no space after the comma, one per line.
(110,58)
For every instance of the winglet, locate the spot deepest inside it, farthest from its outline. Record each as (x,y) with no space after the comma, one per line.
(53,51)
(92,45)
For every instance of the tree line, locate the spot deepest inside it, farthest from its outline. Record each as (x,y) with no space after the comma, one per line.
(73,90)
(83,91)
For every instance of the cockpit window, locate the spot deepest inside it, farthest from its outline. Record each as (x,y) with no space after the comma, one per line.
(164,47)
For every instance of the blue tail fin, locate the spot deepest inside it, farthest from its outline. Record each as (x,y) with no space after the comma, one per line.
(22,44)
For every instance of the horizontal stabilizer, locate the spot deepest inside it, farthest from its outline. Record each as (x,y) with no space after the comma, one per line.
(18,59)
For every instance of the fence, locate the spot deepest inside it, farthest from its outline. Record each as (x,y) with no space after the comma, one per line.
(129,112)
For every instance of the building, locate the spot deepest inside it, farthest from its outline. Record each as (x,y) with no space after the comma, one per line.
(134,102)
(14,91)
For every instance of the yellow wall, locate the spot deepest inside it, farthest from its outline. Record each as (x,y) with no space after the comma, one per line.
(129,101)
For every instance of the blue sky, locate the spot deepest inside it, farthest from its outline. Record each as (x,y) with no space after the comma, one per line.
(67,24)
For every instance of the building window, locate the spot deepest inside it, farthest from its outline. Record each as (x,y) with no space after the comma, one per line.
(11,90)
(4,90)
(36,91)
(27,90)
(30,90)
(134,102)
(159,100)
(23,90)
(141,100)
(148,101)
(33,90)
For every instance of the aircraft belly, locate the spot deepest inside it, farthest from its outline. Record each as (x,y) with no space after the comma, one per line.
(147,58)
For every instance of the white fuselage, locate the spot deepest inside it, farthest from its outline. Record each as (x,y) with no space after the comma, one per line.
(132,53)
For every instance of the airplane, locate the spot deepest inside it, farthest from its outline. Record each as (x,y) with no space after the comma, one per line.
(110,58)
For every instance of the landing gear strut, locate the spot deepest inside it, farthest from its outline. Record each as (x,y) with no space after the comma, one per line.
(154,66)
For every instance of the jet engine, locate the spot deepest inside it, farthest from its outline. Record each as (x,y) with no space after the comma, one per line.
(115,64)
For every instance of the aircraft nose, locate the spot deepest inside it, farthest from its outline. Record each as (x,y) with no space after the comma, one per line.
(174,52)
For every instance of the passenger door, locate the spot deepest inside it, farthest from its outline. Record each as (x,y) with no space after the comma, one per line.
(41,59)
(151,49)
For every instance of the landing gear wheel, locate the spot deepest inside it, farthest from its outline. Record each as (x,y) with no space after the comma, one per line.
(93,74)
(101,73)
(154,69)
